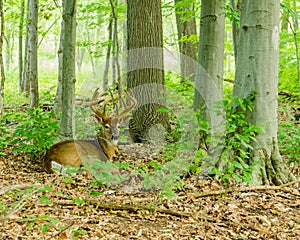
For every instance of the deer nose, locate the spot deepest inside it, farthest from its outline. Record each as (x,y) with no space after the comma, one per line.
(115,136)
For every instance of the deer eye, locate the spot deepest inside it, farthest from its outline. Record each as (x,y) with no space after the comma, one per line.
(107,127)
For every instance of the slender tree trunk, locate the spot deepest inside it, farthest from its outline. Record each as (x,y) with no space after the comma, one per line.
(209,76)
(67,126)
(58,96)
(8,50)
(235,29)
(186,28)
(26,83)
(116,49)
(90,50)
(20,53)
(257,70)
(145,70)
(33,41)
(124,48)
(1,60)
(105,82)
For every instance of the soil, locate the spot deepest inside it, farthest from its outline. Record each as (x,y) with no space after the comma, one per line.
(37,205)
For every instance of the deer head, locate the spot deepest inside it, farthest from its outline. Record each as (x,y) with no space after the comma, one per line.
(109,134)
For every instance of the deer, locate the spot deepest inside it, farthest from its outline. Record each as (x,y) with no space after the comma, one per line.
(75,152)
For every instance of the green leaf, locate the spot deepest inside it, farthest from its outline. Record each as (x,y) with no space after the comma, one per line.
(96,193)
(162,109)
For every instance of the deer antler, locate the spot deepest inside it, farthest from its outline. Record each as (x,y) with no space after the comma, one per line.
(129,107)
(97,112)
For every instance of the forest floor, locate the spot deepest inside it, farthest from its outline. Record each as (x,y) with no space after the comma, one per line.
(36,205)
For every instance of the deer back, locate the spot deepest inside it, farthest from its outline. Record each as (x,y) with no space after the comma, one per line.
(73,153)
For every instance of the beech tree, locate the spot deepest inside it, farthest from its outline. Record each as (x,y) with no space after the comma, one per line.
(67,125)
(209,76)
(257,70)
(32,50)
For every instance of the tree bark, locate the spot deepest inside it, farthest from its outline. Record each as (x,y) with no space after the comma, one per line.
(186,28)
(235,29)
(67,125)
(145,70)
(58,96)
(105,82)
(209,76)
(33,50)
(257,70)
(26,82)
(20,53)
(2,82)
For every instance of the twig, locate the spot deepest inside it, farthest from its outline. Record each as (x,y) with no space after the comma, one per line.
(64,229)
(18,207)
(245,189)
(17,186)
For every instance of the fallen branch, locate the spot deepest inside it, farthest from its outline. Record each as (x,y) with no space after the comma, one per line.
(17,186)
(18,207)
(245,189)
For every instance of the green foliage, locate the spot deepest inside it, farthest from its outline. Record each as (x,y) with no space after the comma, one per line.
(231,14)
(236,145)
(105,172)
(35,130)
(180,86)
(288,137)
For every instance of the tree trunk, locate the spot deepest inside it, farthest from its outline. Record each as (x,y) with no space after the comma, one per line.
(235,30)
(26,83)
(116,49)
(58,96)
(20,53)
(209,76)
(186,28)
(145,70)
(67,125)
(1,60)
(33,70)
(105,82)
(257,70)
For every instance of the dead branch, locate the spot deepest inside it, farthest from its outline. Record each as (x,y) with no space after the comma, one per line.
(19,206)
(17,186)
(245,189)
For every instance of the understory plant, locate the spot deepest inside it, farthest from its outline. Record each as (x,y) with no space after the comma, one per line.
(31,131)
(235,147)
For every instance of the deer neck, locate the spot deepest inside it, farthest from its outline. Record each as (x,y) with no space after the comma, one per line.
(109,149)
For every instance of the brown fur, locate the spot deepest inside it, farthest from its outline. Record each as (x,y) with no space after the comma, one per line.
(74,152)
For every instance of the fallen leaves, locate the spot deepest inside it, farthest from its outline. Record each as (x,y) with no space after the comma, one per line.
(36,205)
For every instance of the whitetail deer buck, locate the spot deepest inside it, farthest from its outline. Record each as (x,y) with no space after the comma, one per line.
(74,152)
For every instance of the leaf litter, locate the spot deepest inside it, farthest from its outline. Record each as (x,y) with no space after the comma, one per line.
(36,205)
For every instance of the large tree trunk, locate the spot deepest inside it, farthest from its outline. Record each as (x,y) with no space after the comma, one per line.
(67,125)
(186,28)
(145,69)
(209,76)
(257,70)
(33,57)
